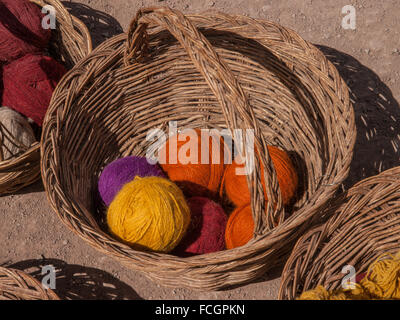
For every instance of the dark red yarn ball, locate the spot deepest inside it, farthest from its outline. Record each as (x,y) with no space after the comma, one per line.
(360,276)
(29,83)
(1,82)
(206,232)
(21,30)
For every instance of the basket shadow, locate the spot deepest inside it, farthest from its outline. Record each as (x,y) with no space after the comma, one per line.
(100,24)
(33,188)
(301,169)
(74,282)
(377,118)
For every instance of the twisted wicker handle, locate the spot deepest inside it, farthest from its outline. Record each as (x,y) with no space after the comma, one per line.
(229,94)
(70,22)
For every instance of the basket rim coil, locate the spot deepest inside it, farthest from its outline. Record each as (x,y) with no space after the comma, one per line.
(17,285)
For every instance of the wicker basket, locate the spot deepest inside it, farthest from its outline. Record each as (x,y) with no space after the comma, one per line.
(204,71)
(363,224)
(71,42)
(17,285)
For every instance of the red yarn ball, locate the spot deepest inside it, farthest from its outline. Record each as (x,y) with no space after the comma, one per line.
(1,82)
(29,83)
(206,232)
(360,277)
(21,30)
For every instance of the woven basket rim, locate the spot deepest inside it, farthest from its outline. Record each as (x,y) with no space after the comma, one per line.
(123,251)
(24,286)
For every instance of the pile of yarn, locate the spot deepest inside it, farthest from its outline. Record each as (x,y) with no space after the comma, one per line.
(168,206)
(172,206)
(381,282)
(240,227)
(27,76)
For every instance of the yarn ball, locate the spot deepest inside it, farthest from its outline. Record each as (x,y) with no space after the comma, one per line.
(28,84)
(21,30)
(149,213)
(16,134)
(236,187)
(360,276)
(240,227)
(196,179)
(206,232)
(121,171)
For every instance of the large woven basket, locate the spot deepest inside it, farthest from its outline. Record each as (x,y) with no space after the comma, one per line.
(71,42)
(17,285)
(204,71)
(363,224)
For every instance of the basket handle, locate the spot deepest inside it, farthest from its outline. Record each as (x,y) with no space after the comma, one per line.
(71,21)
(229,94)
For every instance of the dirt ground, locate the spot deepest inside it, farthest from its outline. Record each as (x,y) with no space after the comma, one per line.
(368,58)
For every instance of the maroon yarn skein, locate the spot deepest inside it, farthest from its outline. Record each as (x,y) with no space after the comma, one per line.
(21,30)
(206,233)
(28,84)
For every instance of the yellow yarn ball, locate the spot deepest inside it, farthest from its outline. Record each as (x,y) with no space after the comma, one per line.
(149,213)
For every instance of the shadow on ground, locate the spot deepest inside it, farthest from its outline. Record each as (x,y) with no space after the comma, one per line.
(75,282)
(33,188)
(100,24)
(377,118)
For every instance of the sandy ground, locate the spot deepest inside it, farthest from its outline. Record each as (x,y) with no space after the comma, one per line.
(368,58)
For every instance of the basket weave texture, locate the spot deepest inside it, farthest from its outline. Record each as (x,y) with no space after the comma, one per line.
(71,42)
(364,224)
(17,285)
(203,71)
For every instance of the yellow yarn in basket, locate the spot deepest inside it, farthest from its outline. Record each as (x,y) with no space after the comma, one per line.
(382,282)
(149,213)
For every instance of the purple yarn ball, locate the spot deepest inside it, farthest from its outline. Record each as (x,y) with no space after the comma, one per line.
(121,171)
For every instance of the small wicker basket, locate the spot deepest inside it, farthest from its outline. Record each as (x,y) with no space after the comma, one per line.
(363,224)
(17,285)
(204,71)
(71,42)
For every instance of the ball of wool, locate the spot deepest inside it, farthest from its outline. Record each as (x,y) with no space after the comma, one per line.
(16,134)
(240,227)
(149,213)
(206,232)
(21,30)
(236,187)
(199,178)
(29,83)
(360,276)
(121,171)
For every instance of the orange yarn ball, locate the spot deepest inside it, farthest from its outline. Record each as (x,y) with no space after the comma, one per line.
(236,187)
(240,227)
(195,179)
